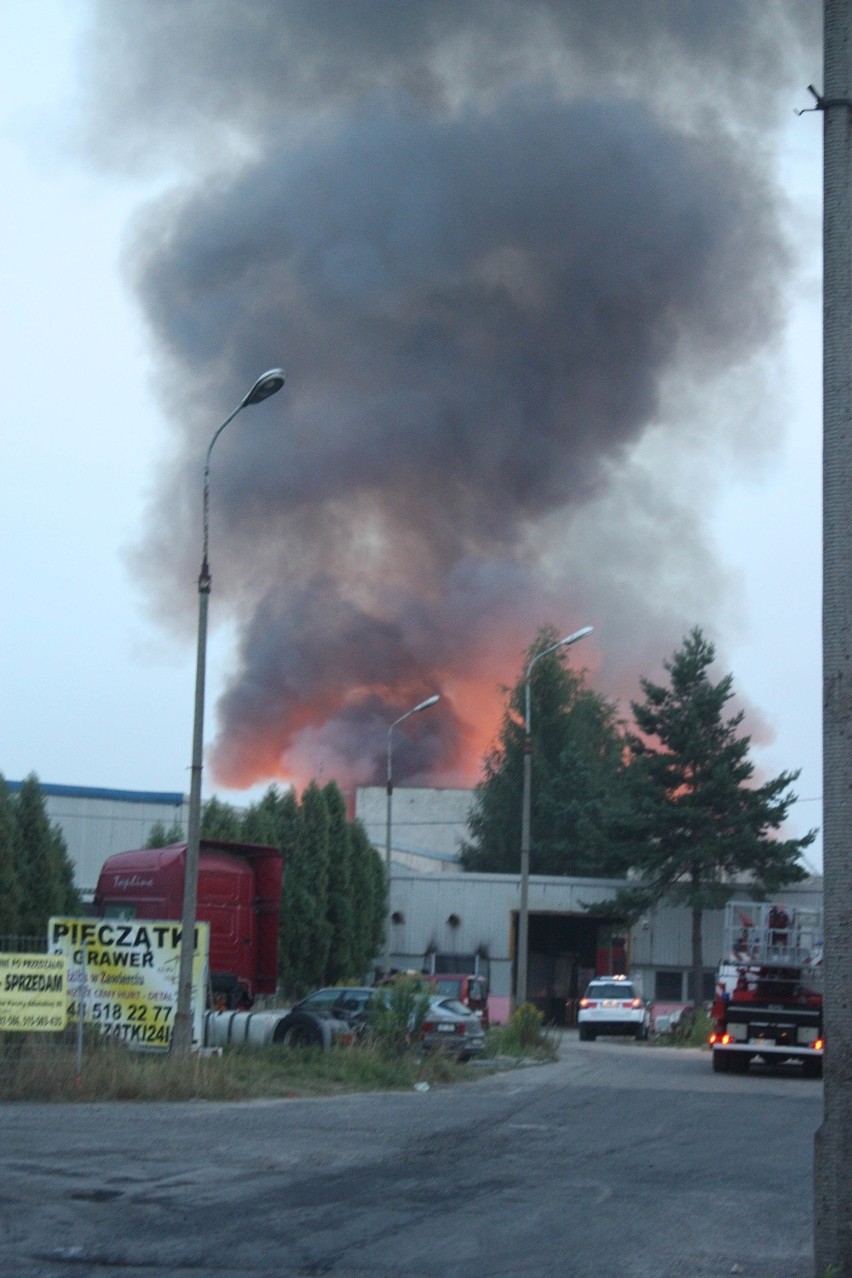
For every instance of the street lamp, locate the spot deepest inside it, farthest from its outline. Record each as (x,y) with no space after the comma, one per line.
(424,705)
(181,1044)
(524,914)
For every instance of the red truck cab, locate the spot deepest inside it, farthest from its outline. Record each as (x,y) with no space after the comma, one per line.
(239,895)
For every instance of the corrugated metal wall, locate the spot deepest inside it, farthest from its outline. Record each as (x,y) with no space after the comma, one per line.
(473,914)
(95,823)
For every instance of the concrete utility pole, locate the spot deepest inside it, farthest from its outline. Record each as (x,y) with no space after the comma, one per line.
(526,805)
(424,705)
(833,1145)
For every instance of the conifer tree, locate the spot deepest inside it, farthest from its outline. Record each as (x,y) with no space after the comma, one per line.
(369,900)
(577,747)
(10,886)
(340,916)
(70,901)
(305,930)
(696,820)
(220,821)
(161,835)
(42,889)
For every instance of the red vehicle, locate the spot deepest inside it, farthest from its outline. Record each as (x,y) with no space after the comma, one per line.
(768,1001)
(467,988)
(239,895)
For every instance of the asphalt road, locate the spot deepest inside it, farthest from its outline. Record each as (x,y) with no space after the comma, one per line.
(619,1160)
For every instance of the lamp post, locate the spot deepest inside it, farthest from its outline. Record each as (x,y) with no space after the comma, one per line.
(181,1043)
(524,913)
(424,705)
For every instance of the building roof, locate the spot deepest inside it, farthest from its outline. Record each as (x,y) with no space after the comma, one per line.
(166,797)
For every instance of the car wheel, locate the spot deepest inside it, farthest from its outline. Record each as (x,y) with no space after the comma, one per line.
(641,1033)
(586,1034)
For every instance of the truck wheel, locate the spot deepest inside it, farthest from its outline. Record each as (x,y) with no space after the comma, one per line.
(740,1063)
(300,1030)
(721,1061)
(812,1067)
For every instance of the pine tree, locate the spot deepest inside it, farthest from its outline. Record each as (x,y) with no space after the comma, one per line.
(577,748)
(10,886)
(305,931)
(220,821)
(696,821)
(369,900)
(340,959)
(268,822)
(69,901)
(43,892)
(161,835)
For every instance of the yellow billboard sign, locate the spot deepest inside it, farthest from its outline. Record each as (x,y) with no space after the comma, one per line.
(124,974)
(33,992)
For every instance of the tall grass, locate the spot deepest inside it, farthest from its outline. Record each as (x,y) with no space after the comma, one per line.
(110,1072)
(40,1067)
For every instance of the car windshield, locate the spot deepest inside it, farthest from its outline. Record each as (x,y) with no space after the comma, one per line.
(321,999)
(449,986)
(612,989)
(353,1000)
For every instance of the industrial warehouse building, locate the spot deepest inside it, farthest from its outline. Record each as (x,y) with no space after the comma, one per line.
(469,922)
(97,822)
(442,919)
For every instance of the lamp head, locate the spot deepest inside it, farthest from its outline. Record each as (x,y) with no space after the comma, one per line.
(578,634)
(424,705)
(268,384)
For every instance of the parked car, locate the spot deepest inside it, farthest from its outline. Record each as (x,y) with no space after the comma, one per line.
(338,1014)
(451,1027)
(612,1005)
(327,1016)
(338,1002)
(466,987)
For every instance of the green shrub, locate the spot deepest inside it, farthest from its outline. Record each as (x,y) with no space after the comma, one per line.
(525,1035)
(692,1030)
(396,1016)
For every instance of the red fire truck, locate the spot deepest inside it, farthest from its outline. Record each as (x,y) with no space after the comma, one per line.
(768,1000)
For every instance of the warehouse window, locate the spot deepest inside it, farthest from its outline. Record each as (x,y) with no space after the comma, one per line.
(668,987)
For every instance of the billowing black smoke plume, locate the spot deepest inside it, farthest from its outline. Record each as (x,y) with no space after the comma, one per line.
(501,250)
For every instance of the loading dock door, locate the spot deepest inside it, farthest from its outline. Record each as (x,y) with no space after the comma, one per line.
(565,952)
